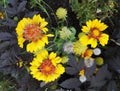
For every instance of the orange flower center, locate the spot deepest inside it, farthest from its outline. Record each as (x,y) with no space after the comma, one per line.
(47,67)
(95,33)
(32,32)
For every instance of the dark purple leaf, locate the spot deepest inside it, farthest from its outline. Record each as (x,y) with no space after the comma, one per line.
(71,70)
(71,83)
(5,36)
(95,83)
(90,70)
(80,64)
(102,73)
(72,61)
(11,11)
(13,2)
(77,89)
(21,6)
(3,45)
(112,86)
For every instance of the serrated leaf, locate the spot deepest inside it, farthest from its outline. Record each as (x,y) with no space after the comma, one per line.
(11,11)
(3,45)
(71,83)
(21,6)
(13,2)
(5,36)
(72,61)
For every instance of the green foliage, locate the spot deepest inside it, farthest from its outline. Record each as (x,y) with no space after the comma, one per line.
(91,9)
(6,83)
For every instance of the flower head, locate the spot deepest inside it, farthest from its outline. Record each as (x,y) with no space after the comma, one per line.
(46,67)
(99,61)
(68,47)
(89,62)
(33,30)
(61,13)
(94,33)
(97,51)
(79,48)
(65,33)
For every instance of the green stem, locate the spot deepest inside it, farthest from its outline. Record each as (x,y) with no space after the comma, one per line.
(115,42)
(4,1)
(44,10)
(51,10)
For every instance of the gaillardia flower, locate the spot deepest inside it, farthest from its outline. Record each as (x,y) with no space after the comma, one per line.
(65,33)
(94,34)
(33,30)
(46,67)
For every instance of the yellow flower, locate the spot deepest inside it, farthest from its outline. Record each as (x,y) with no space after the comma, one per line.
(61,13)
(46,67)
(79,48)
(94,33)
(33,30)
(1,15)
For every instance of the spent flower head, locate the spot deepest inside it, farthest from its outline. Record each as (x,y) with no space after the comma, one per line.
(65,33)
(68,47)
(61,13)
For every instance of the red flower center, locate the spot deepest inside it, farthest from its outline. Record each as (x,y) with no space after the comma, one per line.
(95,33)
(47,67)
(32,32)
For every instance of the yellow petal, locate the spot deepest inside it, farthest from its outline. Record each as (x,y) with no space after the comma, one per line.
(52,55)
(45,39)
(104,39)
(43,24)
(84,40)
(20,41)
(94,43)
(85,29)
(102,27)
(50,35)
(37,19)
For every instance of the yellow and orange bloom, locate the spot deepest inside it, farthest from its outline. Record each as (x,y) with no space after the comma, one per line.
(94,33)
(87,54)
(46,67)
(33,30)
